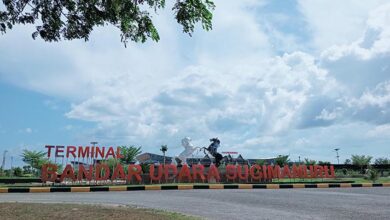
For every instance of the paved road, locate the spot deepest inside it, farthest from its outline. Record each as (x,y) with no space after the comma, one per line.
(340,203)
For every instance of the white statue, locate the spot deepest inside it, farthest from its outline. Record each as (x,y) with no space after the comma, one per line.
(188,149)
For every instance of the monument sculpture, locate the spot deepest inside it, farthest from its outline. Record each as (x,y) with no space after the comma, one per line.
(189,149)
(213,150)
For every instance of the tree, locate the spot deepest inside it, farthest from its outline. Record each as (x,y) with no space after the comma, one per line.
(348,162)
(71,19)
(361,161)
(322,163)
(145,167)
(27,169)
(309,162)
(261,162)
(382,161)
(34,158)
(129,154)
(282,160)
(18,172)
(111,163)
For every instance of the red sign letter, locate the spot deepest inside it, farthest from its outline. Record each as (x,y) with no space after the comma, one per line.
(83,172)
(253,172)
(49,147)
(49,173)
(134,170)
(159,172)
(213,173)
(68,173)
(231,173)
(184,173)
(198,170)
(118,171)
(98,174)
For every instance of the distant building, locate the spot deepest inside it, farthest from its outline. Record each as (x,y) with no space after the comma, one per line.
(150,158)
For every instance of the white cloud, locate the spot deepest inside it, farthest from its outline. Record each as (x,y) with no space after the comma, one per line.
(264,100)
(329,115)
(334,22)
(26,130)
(378,97)
(375,40)
(380,131)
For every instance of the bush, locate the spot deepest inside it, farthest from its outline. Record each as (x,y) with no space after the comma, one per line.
(18,172)
(372,175)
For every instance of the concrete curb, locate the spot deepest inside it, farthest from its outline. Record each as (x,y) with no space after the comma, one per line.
(184,187)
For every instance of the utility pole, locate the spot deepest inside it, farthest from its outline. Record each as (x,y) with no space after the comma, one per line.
(337,155)
(12,167)
(93,143)
(164,149)
(93,160)
(3,162)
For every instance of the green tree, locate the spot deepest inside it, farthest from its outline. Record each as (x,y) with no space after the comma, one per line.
(129,154)
(361,161)
(309,162)
(145,167)
(71,19)
(382,161)
(34,158)
(322,163)
(27,169)
(348,162)
(261,162)
(18,172)
(111,163)
(282,160)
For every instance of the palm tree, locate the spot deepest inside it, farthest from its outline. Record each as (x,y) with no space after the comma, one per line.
(348,162)
(282,160)
(382,161)
(361,161)
(35,159)
(164,148)
(129,154)
(309,162)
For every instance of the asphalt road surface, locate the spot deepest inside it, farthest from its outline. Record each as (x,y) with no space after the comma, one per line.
(334,203)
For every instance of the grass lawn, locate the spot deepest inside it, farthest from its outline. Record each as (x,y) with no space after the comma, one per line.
(362,180)
(35,211)
(355,180)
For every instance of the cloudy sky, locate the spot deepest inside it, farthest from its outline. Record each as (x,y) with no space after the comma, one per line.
(297,77)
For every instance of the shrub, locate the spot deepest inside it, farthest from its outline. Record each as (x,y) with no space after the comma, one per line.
(18,172)
(372,174)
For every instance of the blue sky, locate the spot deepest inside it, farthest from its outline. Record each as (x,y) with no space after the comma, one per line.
(272,77)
